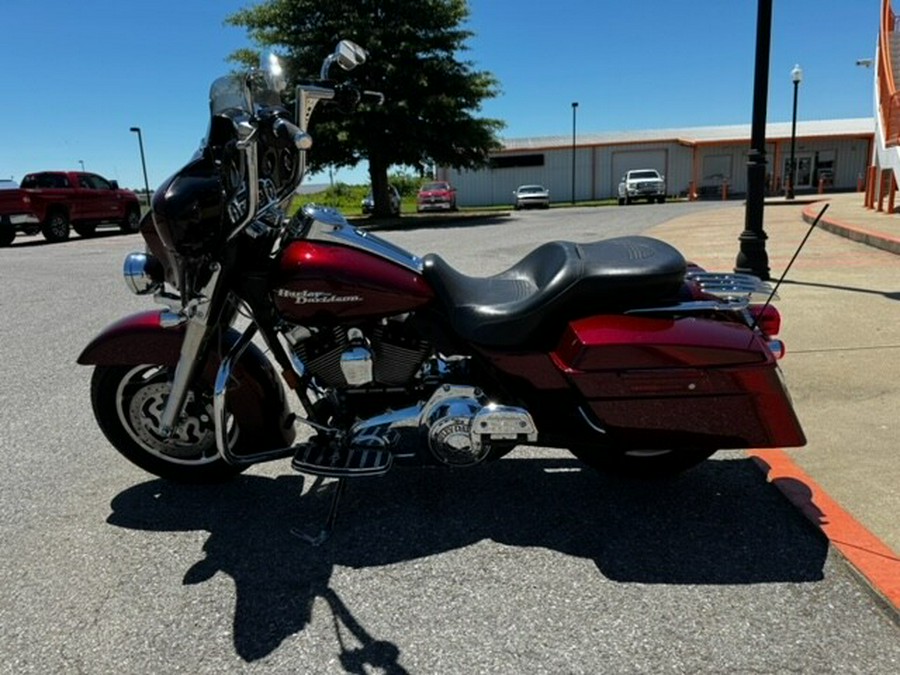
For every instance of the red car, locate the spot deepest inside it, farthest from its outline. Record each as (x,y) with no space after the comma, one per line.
(436,196)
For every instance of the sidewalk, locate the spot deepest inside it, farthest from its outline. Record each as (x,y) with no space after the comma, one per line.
(841,324)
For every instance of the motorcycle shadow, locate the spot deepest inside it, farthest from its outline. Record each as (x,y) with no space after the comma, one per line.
(720,523)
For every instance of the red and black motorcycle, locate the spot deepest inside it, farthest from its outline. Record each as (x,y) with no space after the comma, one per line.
(616,350)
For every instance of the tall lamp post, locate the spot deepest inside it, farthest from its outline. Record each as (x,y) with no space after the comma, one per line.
(81,161)
(752,257)
(796,78)
(574,108)
(137,130)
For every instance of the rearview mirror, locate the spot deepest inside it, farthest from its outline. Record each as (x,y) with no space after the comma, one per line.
(348,55)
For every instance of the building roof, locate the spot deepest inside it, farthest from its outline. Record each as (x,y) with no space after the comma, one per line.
(739,133)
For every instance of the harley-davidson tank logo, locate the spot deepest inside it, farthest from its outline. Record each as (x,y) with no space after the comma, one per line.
(316,297)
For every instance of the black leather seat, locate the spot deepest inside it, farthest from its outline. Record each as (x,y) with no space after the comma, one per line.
(557,281)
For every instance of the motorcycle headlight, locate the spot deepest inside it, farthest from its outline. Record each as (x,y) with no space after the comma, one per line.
(143,273)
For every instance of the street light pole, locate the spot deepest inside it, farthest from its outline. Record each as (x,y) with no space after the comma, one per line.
(752,258)
(81,161)
(574,108)
(796,78)
(137,130)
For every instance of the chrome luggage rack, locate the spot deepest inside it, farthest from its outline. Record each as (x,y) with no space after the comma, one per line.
(731,286)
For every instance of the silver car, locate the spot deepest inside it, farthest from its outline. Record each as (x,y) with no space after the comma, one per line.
(531,196)
(368,203)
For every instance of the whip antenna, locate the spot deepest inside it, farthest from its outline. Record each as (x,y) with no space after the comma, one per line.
(788,268)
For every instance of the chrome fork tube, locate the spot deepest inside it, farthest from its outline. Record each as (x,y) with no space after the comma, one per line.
(194,336)
(222,379)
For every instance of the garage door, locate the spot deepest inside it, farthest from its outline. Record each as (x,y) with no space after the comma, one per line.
(626,160)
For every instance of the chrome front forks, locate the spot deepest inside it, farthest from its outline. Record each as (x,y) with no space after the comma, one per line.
(198,315)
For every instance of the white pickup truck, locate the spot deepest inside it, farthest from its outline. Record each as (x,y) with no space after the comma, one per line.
(642,184)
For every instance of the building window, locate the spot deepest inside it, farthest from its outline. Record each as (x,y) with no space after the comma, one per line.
(514,161)
(825,167)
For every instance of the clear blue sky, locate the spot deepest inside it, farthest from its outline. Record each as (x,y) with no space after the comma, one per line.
(77,75)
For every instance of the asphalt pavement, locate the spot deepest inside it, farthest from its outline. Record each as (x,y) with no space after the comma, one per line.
(531,564)
(841,325)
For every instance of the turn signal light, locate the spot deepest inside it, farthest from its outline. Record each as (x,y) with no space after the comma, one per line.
(767,319)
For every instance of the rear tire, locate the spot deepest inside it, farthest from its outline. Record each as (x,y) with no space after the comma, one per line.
(7,233)
(56,226)
(641,464)
(127,403)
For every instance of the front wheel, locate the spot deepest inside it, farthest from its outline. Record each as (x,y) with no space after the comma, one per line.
(132,221)
(128,402)
(642,464)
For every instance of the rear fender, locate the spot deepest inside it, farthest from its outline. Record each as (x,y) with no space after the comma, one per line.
(256,396)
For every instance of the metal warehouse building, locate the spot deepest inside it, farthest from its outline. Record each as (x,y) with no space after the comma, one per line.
(702,161)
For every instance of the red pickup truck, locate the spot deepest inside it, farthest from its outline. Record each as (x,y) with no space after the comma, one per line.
(51,202)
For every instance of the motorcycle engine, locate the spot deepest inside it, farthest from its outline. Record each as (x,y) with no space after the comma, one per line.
(460,426)
(387,353)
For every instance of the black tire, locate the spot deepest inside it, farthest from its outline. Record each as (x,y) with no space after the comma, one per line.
(661,200)
(621,201)
(85,229)
(641,464)
(7,233)
(627,201)
(56,226)
(132,222)
(126,402)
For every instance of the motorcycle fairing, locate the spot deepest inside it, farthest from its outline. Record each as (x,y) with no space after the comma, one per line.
(558,280)
(687,382)
(256,396)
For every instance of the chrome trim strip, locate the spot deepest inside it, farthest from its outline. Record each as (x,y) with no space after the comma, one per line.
(329,225)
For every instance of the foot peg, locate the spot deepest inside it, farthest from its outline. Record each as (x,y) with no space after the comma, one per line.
(341,462)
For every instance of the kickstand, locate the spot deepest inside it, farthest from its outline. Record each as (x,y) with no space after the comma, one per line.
(325,532)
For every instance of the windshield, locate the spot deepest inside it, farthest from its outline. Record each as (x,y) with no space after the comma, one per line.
(644,174)
(435,186)
(230,93)
(531,188)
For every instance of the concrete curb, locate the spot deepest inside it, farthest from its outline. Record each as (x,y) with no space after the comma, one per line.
(880,240)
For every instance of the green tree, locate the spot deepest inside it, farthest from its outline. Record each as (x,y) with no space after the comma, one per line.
(432,98)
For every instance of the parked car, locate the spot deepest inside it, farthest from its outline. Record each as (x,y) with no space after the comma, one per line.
(52,202)
(528,196)
(8,184)
(436,196)
(642,184)
(368,203)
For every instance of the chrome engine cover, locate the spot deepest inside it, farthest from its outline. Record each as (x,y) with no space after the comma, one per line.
(460,425)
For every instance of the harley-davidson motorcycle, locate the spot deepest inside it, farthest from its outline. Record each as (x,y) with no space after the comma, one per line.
(618,350)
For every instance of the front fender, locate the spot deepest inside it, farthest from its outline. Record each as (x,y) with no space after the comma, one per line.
(135,339)
(256,396)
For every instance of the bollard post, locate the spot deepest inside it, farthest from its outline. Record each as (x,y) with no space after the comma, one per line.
(724,190)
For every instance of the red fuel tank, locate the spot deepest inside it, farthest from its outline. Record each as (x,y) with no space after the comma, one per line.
(320,282)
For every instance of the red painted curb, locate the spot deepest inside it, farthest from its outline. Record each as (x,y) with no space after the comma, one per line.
(880,240)
(872,558)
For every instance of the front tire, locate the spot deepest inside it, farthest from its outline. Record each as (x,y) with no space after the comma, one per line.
(128,402)
(641,464)
(132,221)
